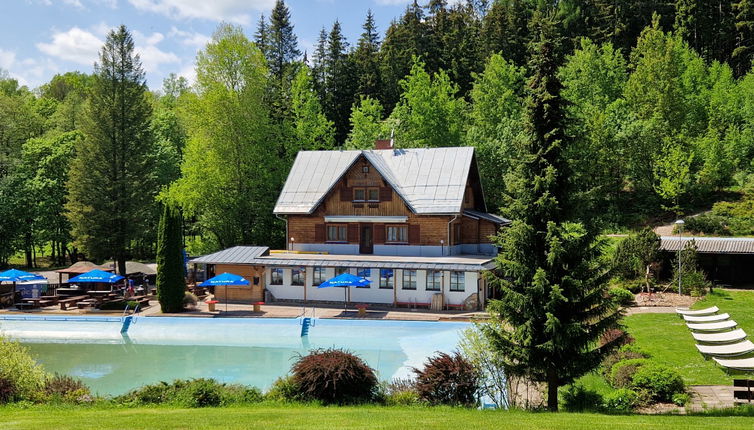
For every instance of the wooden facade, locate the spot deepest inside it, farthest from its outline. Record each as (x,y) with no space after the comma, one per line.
(251,293)
(363,192)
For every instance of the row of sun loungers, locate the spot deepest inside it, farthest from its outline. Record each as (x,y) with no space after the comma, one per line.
(719,338)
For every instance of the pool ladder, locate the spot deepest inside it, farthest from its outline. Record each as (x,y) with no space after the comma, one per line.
(128,319)
(307,322)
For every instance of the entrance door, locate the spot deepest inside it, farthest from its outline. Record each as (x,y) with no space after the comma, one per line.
(366,245)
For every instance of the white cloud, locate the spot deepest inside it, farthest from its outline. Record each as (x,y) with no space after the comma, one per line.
(197,40)
(213,10)
(7,59)
(27,71)
(152,57)
(76,45)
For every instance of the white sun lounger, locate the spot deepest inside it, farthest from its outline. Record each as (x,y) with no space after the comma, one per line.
(715,326)
(736,363)
(720,338)
(700,312)
(731,350)
(708,318)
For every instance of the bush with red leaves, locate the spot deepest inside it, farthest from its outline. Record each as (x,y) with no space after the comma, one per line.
(448,380)
(334,376)
(7,390)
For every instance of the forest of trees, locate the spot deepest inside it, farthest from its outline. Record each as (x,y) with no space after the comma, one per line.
(658,96)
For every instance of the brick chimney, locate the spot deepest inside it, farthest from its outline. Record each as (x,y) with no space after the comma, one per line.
(383,144)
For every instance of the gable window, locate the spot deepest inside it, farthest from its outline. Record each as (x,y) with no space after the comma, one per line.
(371,194)
(276,276)
(457,281)
(318,276)
(434,280)
(387,279)
(409,279)
(397,233)
(337,233)
(297,276)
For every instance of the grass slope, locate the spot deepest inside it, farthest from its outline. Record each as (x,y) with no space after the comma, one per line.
(666,337)
(365,417)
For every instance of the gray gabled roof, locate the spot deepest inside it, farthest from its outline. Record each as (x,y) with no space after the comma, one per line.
(710,245)
(429,180)
(234,255)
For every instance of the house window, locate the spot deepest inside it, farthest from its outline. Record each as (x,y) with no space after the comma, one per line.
(434,280)
(337,233)
(457,281)
(359,194)
(318,276)
(366,194)
(409,279)
(364,273)
(276,276)
(397,233)
(387,280)
(297,276)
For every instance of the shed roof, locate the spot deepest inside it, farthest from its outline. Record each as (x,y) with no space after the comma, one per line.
(711,245)
(83,267)
(234,255)
(429,180)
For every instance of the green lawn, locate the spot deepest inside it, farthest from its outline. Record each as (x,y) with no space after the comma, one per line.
(267,416)
(667,338)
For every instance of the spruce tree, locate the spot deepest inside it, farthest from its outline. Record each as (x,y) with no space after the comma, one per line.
(553,307)
(111,187)
(366,59)
(262,36)
(282,43)
(744,50)
(340,85)
(171,283)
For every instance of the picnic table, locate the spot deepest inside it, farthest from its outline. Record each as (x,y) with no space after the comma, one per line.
(41,301)
(70,301)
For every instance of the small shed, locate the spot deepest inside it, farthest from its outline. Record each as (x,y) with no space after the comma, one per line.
(239,260)
(725,260)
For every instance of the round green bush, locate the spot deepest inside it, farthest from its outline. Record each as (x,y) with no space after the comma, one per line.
(283,389)
(622,373)
(334,376)
(20,371)
(621,355)
(621,400)
(660,381)
(621,296)
(200,393)
(577,398)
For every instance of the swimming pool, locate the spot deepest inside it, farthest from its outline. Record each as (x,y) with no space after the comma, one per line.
(251,351)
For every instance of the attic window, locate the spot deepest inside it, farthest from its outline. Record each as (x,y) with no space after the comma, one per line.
(366,194)
(365,169)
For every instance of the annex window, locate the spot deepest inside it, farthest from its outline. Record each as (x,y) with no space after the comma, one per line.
(434,280)
(409,279)
(297,276)
(318,276)
(364,273)
(276,277)
(337,233)
(387,280)
(341,270)
(457,281)
(397,233)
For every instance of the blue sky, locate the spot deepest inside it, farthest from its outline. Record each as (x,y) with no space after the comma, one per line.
(39,38)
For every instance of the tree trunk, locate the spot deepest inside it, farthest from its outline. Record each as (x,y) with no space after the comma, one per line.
(121,264)
(552,389)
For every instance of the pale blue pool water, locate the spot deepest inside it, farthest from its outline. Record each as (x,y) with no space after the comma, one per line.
(238,350)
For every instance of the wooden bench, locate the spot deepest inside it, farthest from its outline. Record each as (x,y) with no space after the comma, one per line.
(413,304)
(743,391)
(25,305)
(87,303)
(70,301)
(460,307)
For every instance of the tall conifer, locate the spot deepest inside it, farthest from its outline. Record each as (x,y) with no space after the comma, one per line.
(171,283)
(554,305)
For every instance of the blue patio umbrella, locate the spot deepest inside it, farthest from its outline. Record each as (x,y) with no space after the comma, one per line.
(225,279)
(15,275)
(96,275)
(345,280)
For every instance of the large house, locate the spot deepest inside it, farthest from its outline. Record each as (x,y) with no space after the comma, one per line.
(413,221)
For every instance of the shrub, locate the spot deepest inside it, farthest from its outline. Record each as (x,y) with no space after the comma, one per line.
(161,392)
(199,393)
(576,398)
(448,379)
(334,376)
(66,389)
(626,352)
(284,388)
(660,381)
(7,391)
(680,399)
(194,393)
(190,300)
(621,296)
(401,392)
(622,374)
(24,377)
(621,400)
(234,394)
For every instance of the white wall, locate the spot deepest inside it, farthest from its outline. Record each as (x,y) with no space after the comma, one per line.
(373,294)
